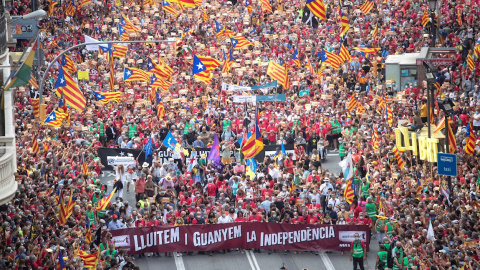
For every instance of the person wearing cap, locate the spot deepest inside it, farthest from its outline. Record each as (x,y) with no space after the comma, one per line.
(115,224)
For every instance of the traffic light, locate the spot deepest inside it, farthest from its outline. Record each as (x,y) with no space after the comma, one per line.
(43,112)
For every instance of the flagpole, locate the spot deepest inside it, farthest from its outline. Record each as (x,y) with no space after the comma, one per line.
(54,61)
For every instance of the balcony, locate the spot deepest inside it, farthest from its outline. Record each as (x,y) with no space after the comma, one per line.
(8,185)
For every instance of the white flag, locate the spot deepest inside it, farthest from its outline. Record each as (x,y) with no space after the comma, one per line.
(430,234)
(347,166)
(93,47)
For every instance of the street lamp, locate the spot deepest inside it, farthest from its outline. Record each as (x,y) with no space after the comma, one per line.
(36,15)
(431,78)
(446,106)
(432,5)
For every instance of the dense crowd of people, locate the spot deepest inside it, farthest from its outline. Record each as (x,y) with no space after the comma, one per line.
(398,204)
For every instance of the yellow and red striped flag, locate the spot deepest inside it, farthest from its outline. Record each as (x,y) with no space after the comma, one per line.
(459,17)
(295,59)
(161,70)
(84,165)
(248,6)
(55,119)
(425,18)
(119,51)
(160,110)
(89,260)
(33,81)
(266,6)
(152,95)
(279,73)
(309,66)
(68,64)
(88,231)
(186,3)
(168,7)
(240,42)
(441,125)
(398,157)
(148,2)
(352,103)
(375,32)
(349,192)
(71,8)
(470,141)
(204,15)
(66,210)
(344,54)
(331,59)
(345,25)
(159,83)
(135,74)
(128,25)
(35,147)
(51,6)
(73,96)
(389,114)
(102,204)
(227,61)
(36,107)
(375,138)
(367,50)
(85,2)
(317,7)
(451,140)
(204,76)
(122,33)
(367,6)
(476,49)
(204,63)
(470,63)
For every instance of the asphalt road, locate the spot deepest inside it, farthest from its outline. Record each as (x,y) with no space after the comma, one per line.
(245,259)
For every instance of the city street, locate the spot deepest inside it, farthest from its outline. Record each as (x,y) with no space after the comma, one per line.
(246,259)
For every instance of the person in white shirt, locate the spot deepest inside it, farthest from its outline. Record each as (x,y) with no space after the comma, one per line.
(325,190)
(224,218)
(333,201)
(274,172)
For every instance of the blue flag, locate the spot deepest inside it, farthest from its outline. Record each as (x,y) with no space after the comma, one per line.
(170,141)
(284,153)
(148,148)
(252,164)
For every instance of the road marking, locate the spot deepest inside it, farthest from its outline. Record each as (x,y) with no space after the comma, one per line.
(332,155)
(326,261)
(179,261)
(252,260)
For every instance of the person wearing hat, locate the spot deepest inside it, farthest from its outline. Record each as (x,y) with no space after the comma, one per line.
(115,224)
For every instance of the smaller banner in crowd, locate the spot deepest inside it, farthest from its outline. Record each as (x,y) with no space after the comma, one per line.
(237,88)
(117,156)
(301,237)
(264,98)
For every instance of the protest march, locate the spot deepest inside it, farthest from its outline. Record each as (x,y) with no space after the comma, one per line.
(256,126)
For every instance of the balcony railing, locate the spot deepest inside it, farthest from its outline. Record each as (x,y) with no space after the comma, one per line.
(8,185)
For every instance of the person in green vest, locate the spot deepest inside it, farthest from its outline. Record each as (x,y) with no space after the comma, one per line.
(111,251)
(382,259)
(185,129)
(341,149)
(144,201)
(336,132)
(371,210)
(358,252)
(226,123)
(91,214)
(101,131)
(389,226)
(397,254)
(132,129)
(380,228)
(365,188)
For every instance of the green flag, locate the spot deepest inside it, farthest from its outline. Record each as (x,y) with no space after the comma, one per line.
(22,76)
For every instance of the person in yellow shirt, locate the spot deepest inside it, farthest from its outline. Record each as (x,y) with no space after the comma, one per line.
(424,111)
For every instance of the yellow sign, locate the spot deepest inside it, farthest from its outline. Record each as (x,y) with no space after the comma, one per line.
(83,75)
(427,148)
(118,3)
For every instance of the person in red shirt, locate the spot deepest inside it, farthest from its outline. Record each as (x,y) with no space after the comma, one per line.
(312,176)
(211,188)
(288,163)
(254,217)
(297,219)
(362,220)
(266,191)
(240,217)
